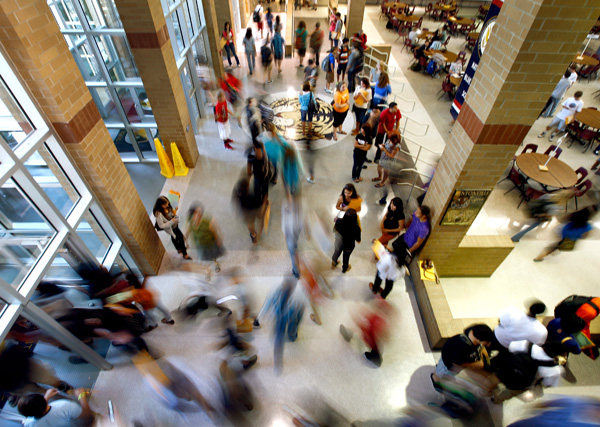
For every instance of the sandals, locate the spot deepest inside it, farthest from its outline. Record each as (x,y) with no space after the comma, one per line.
(358,180)
(217,267)
(342,132)
(254,237)
(314,319)
(376,179)
(381,184)
(187,257)
(168,322)
(335,137)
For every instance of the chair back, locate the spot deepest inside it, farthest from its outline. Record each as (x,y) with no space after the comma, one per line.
(462,55)
(556,150)
(447,41)
(419,22)
(581,174)
(516,177)
(530,148)
(423,61)
(429,8)
(583,188)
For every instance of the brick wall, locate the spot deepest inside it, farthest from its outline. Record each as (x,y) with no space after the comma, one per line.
(532,44)
(145,26)
(32,40)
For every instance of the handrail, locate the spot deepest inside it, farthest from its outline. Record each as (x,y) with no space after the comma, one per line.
(404,110)
(373,58)
(406,120)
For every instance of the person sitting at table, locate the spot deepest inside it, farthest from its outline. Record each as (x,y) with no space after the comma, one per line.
(571,107)
(444,33)
(412,36)
(456,67)
(420,52)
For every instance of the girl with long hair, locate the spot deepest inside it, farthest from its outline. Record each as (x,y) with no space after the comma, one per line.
(168,221)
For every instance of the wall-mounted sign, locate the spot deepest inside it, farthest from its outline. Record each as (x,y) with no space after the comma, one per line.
(464,207)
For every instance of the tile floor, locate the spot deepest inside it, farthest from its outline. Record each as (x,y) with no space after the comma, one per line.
(320,363)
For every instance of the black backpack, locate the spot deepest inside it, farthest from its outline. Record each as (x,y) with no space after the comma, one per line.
(265,54)
(571,304)
(517,371)
(256,15)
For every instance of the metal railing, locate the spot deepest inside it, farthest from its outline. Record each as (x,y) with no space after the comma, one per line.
(405,129)
(416,160)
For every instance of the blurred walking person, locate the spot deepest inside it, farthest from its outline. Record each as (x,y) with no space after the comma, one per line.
(250,48)
(205,235)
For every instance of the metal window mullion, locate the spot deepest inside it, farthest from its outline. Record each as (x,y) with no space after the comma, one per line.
(9,294)
(134,142)
(112,254)
(54,329)
(104,223)
(95,32)
(32,143)
(9,316)
(43,264)
(39,199)
(184,28)
(172,36)
(77,212)
(80,251)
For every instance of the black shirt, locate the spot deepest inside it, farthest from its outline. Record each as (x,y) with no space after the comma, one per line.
(459,350)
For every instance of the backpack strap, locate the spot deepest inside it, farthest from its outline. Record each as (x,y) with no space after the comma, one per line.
(594,306)
(547,363)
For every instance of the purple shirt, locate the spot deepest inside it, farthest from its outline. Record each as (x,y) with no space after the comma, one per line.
(415,230)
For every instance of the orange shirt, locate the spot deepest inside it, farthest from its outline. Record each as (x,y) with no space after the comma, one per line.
(340,98)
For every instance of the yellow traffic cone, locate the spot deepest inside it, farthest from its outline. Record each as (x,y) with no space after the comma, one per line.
(180,168)
(166,167)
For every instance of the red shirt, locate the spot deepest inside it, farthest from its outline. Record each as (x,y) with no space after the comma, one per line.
(221,111)
(389,119)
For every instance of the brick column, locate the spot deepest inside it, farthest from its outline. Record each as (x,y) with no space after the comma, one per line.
(532,44)
(224,14)
(146,29)
(32,41)
(356,12)
(214,36)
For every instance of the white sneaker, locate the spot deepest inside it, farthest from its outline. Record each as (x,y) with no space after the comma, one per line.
(551,137)
(541,135)
(309,179)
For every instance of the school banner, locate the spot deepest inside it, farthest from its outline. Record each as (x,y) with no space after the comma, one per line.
(484,35)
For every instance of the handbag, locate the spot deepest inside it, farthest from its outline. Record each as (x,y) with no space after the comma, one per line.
(313,106)
(334,35)
(223,43)
(566,244)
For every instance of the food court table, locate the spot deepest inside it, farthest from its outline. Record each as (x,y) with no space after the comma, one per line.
(589,117)
(394,5)
(445,7)
(450,56)
(461,21)
(455,79)
(558,175)
(406,18)
(425,35)
(473,35)
(585,60)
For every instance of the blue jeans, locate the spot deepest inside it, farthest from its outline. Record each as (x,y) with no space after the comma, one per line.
(526,230)
(550,109)
(251,61)
(230,49)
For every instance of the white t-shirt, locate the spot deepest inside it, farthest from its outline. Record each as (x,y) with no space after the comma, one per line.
(550,374)
(573,77)
(515,325)
(571,106)
(62,414)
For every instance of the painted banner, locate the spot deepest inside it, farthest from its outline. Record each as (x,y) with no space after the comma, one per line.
(484,35)
(464,207)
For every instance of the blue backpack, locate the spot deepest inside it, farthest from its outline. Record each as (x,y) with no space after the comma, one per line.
(431,67)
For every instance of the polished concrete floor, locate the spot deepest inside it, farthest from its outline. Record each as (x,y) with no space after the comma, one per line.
(321,366)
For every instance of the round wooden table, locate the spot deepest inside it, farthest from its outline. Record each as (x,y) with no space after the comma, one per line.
(455,79)
(445,7)
(461,21)
(473,35)
(406,18)
(393,5)
(589,117)
(585,60)
(450,56)
(558,175)
(425,35)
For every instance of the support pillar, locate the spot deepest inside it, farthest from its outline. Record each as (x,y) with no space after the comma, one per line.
(146,29)
(356,12)
(32,41)
(214,38)
(532,44)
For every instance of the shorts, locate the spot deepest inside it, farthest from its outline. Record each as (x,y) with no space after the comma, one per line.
(306,116)
(329,77)
(278,55)
(560,122)
(224,130)
(342,68)
(441,370)
(302,51)
(259,25)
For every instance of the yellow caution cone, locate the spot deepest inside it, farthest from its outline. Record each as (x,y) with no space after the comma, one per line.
(180,168)
(166,167)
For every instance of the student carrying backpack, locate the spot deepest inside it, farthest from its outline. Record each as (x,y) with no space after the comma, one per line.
(326,64)
(518,371)
(256,14)
(571,304)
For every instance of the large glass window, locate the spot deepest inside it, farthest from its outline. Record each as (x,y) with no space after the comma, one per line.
(98,43)
(14,123)
(50,222)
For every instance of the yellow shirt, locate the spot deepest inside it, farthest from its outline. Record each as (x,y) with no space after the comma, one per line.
(340,98)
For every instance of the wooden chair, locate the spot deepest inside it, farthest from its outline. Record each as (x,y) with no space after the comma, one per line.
(447,88)
(445,44)
(581,174)
(429,9)
(556,150)
(407,44)
(581,189)
(462,55)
